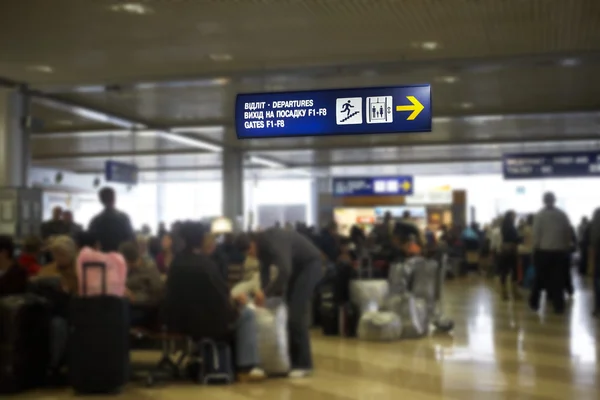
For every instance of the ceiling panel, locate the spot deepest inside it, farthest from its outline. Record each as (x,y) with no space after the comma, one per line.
(425,154)
(178,38)
(96,164)
(508,89)
(50,119)
(55,145)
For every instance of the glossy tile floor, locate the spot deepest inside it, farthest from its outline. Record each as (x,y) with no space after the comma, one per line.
(497,351)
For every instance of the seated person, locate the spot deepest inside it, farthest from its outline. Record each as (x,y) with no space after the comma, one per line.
(64,253)
(13,278)
(30,255)
(198,303)
(144,285)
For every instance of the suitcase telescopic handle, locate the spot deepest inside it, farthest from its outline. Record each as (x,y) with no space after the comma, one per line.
(93,264)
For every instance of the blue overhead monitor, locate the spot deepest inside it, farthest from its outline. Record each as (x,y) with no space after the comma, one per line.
(398,109)
(119,172)
(551,165)
(373,186)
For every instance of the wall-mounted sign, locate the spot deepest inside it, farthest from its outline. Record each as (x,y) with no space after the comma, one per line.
(373,186)
(334,112)
(551,165)
(119,172)
(435,197)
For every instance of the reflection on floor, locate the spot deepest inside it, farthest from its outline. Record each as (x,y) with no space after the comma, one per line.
(498,351)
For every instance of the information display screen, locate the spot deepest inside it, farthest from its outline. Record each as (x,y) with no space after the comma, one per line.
(373,186)
(119,172)
(551,165)
(334,112)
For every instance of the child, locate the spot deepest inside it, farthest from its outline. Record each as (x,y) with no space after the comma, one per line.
(245,279)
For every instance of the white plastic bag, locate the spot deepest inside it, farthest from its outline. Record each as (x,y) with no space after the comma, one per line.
(379,326)
(413,315)
(425,279)
(273,337)
(369,295)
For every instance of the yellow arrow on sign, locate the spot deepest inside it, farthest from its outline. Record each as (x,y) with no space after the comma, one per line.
(406,184)
(416,108)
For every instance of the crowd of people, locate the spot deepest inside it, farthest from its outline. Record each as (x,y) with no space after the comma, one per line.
(201,284)
(182,279)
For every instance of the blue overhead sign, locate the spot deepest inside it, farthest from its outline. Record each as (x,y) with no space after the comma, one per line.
(551,165)
(119,172)
(334,112)
(370,186)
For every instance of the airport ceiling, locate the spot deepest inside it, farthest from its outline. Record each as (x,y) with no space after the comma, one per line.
(506,75)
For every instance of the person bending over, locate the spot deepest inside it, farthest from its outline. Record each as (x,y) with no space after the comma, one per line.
(144,285)
(198,303)
(299,268)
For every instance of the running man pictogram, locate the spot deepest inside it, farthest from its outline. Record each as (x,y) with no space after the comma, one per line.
(346,107)
(349,110)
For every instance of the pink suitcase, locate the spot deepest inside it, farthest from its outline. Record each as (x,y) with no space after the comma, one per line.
(116,273)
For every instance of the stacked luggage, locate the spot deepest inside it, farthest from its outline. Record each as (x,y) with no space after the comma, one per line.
(403,306)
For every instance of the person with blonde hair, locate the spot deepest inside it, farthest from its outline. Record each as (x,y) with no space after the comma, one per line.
(64,255)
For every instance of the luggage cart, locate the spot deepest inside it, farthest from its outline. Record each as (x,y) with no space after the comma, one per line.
(439,320)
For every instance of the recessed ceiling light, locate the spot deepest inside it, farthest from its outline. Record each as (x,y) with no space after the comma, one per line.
(466,105)
(429,46)
(447,79)
(221,57)
(46,69)
(131,8)
(569,62)
(64,122)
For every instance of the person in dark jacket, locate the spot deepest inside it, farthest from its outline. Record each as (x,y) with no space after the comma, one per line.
(298,264)
(72,228)
(509,256)
(329,242)
(13,278)
(111,227)
(198,303)
(55,226)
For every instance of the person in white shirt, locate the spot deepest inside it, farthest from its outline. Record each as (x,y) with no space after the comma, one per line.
(552,243)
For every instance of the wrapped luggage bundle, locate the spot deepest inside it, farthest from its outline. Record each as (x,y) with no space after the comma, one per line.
(379,326)
(273,338)
(412,313)
(369,295)
(424,286)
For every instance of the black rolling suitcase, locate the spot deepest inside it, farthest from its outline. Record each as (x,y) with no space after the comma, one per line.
(99,340)
(24,342)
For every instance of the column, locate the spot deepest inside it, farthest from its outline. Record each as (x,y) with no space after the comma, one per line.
(233,185)
(14,138)
(323,202)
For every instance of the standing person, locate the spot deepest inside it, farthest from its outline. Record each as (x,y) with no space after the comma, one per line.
(71,227)
(55,226)
(111,227)
(526,246)
(595,246)
(508,261)
(299,269)
(583,240)
(552,241)
(165,257)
